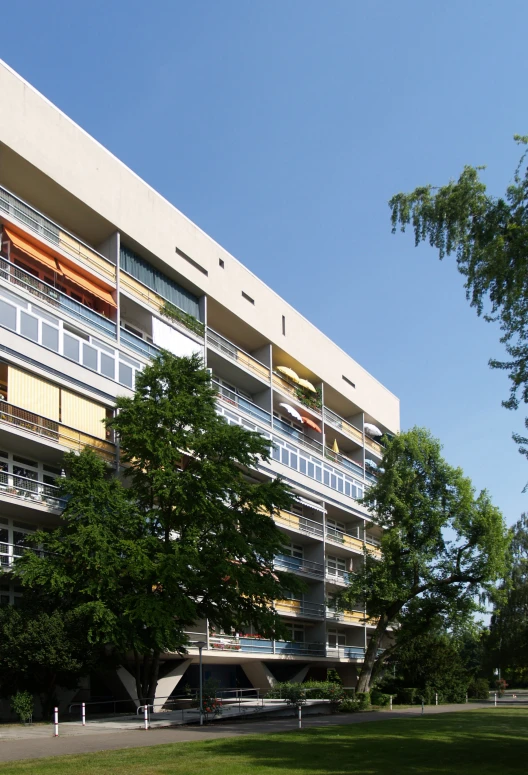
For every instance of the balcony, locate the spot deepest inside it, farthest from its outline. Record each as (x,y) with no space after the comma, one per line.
(290,390)
(300,608)
(43,228)
(374,446)
(50,430)
(373,544)
(346,462)
(233,400)
(30,490)
(233,353)
(337,575)
(345,652)
(296,522)
(60,302)
(299,565)
(345,427)
(10,552)
(346,617)
(352,539)
(140,346)
(257,645)
(297,436)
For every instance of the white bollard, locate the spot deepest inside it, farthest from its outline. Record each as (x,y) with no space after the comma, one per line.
(495,695)
(390,703)
(436,698)
(300,717)
(83,714)
(55,722)
(145,709)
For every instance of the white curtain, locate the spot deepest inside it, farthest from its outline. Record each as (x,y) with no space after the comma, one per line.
(169,339)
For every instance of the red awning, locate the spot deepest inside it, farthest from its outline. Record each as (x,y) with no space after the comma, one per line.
(86,283)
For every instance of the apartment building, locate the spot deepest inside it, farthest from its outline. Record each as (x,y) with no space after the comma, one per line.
(89,256)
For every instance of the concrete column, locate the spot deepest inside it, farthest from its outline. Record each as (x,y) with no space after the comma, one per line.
(259,675)
(169,682)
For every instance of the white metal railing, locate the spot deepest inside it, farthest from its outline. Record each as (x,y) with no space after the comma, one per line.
(30,489)
(346,427)
(300,608)
(298,522)
(234,353)
(299,565)
(10,552)
(233,399)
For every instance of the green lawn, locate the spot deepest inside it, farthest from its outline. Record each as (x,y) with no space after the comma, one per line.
(493,741)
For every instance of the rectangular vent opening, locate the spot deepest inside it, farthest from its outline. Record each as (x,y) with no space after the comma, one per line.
(349,381)
(192,262)
(221,263)
(283,325)
(248,298)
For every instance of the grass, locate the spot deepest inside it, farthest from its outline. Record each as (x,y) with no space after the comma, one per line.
(477,742)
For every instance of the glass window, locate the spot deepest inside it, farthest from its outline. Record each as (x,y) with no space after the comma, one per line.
(50,337)
(89,357)
(71,348)
(107,366)
(7,315)
(125,375)
(29,326)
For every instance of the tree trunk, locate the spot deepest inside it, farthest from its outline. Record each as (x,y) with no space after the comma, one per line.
(365,675)
(153,677)
(146,675)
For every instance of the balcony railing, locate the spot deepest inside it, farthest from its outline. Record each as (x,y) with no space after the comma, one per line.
(374,446)
(345,427)
(298,565)
(144,348)
(345,652)
(296,522)
(297,436)
(343,460)
(351,539)
(43,227)
(300,608)
(290,390)
(10,552)
(232,399)
(372,540)
(30,490)
(285,648)
(234,353)
(55,298)
(337,575)
(54,431)
(347,617)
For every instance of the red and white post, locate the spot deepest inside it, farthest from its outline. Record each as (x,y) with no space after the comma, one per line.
(83,714)
(55,722)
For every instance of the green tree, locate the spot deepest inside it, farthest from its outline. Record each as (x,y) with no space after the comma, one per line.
(190,537)
(508,638)
(441,544)
(489,237)
(42,649)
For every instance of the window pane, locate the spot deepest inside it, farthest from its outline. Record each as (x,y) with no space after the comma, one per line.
(89,357)
(71,348)
(7,315)
(28,326)
(50,337)
(107,366)
(125,375)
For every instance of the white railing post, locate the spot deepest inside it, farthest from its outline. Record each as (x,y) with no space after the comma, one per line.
(83,714)
(300,716)
(495,695)
(55,722)
(436,698)
(145,716)
(390,703)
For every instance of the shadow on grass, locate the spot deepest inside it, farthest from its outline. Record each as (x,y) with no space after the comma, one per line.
(469,743)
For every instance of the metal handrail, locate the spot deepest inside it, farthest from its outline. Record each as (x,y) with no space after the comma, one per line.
(338,573)
(338,422)
(138,344)
(241,403)
(50,295)
(29,489)
(298,565)
(340,536)
(297,436)
(305,608)
(235,353)
(10,552)
(298,522)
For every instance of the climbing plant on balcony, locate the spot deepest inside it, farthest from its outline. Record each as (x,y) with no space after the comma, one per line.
(172,312)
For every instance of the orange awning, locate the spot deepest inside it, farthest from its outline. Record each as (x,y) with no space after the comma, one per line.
(84,282)
(31,250)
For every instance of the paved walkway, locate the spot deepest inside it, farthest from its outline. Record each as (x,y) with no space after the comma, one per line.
(79,740)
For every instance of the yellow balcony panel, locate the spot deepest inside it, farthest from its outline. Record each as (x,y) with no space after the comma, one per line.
(353,543)
(141,292)
(288,519)
(87,256)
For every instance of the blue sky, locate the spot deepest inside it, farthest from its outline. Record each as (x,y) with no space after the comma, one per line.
(282,128)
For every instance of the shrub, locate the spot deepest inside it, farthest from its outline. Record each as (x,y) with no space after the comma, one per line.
(333,676)
(349,705)
(478,689)
(379,698)
(408,696)
(363,699)
(22,705)
(294,694)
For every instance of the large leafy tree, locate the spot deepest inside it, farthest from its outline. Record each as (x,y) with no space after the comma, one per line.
(42,648)
(508,639)
(488,235)
(442,545)
(190,537)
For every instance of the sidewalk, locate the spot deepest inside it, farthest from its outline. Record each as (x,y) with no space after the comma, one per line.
(78,739)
